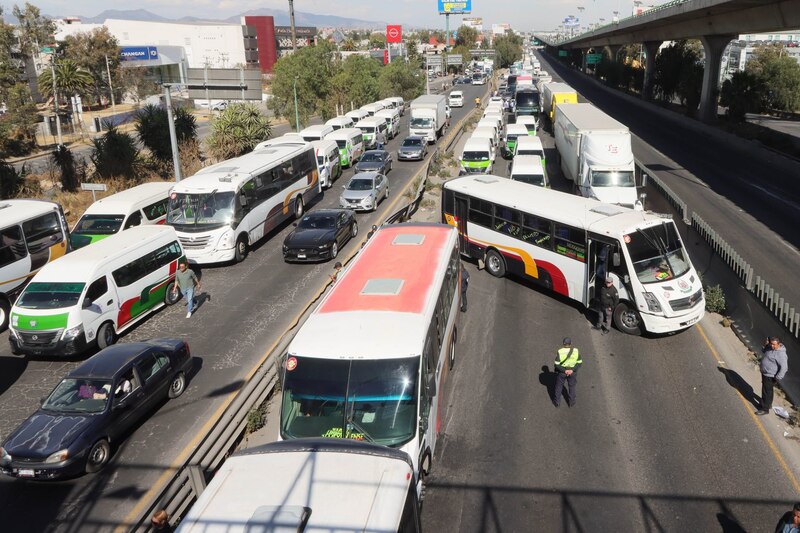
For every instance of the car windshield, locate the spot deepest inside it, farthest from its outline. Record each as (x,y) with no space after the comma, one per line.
(341,143)
(372,400)
(657,253)
(98,224)
(317,222)
(475,156)
(531,128)
(511,137)
(54,295)
(531,152)
(412,143)
(79,396)
(533,179)
(320,160)
(360,184)
(208,210)
(608,178)
(421,122)
(371,157)
(367,129)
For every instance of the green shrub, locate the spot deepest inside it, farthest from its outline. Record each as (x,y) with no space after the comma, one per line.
(715,299)
(256,418)
(11,181)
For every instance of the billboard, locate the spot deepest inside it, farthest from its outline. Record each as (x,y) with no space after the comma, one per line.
(138,53)
(394,34)
(455,7)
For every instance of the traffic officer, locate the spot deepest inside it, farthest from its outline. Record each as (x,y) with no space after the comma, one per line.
(568,360)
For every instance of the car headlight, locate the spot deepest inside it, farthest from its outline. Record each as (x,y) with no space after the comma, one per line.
(652,302)
(5,457)
(227,239)
(323,246)
(285,248)
(72,333)
(59,456)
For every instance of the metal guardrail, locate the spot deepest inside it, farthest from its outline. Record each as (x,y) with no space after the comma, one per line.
(665,191)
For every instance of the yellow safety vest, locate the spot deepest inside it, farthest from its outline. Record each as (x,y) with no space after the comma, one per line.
(567,360)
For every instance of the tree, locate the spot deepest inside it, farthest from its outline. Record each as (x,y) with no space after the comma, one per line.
(355,83)
(89,51)
(466,36)
(71,171)
(35,30)
(349,45)
(70,80)
(411,49)
(508,49)
(763,55)
(137,83)
(18,125)
(466,55)
(782,76)
(400,78)
(424,36)
(311,70)
(237,130)
(675,71)
(115,154)
(745,92)
(11,180)
(152,127)
(377,40)
(9,66)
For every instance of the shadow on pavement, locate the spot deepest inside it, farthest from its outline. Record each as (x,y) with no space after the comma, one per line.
(11,369)
(547,378)
(737,382)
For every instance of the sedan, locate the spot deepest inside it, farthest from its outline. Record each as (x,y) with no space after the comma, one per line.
(320,235)
(93,407)
(413,148)
(375,161)
(364,191)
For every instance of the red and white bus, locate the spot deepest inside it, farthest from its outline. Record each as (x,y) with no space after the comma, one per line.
(372,361)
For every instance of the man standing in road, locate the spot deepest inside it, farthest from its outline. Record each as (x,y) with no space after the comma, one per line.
(568,360)
(464,286)
(774,365)
(790,521)
(380,140)
(187,282)
(609,298)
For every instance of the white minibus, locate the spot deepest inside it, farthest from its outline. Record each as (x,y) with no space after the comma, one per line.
(340,122)
(456,99)
(351,145)
(529,169)
(357,114)
(372,108)
(316,132)
(330,167)
(397,103)
(393,117)
(477,156)
(369,127)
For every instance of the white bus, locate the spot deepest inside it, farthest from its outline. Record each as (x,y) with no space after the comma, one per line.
(225,208)
(372,362)
(568,243)
(311,485)
(32,233)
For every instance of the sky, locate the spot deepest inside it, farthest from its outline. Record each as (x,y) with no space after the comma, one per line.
(523,15)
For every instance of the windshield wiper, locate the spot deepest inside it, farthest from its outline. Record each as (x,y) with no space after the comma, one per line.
(356,425)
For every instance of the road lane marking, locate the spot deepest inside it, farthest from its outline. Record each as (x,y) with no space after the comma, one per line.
(789,474)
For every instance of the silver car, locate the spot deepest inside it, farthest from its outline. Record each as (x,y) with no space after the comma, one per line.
(364,191)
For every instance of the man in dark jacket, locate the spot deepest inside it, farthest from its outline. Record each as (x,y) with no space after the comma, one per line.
(464,285)
(774,365)
(609,298)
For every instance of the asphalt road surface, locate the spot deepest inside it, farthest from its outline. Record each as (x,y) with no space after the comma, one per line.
(252,304)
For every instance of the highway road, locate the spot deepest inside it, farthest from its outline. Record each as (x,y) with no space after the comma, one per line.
(251,305)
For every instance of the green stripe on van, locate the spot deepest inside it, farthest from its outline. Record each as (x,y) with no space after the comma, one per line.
(39,322)
(475,164)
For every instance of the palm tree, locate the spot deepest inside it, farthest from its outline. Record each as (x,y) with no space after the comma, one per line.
(238,130)
(348,45)
(153,129)
(70,79)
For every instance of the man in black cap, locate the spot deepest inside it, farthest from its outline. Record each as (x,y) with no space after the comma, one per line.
(568,360)
(609,298)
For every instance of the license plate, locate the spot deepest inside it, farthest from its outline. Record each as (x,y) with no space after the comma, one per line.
(24,472)
(692,321)
(301,256)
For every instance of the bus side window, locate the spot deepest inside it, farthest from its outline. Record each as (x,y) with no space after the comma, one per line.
(42,232)
(134,220)
(12,247)
(156,210)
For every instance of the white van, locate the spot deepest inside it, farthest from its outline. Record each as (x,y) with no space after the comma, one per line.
(513,132)
(351,145)
(497,117)
(372,108)
(328,162)
(489,134)
(456,99)
(356,115)
(393,117)
(529,169)
(316,132)
(529,146)
(369,127)
(397,103)
(477,156)
(142,204)
(340,122)
(530,123)
(488,123)
(90,296)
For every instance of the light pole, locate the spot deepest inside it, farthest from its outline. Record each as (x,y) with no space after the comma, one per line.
(173,137)
(296,112)
(291,21)
(110,88)
(55,97)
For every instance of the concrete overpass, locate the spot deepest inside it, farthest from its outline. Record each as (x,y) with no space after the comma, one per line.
(714,22)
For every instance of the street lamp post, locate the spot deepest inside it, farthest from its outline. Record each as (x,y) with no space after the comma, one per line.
(296,112)
(55,98)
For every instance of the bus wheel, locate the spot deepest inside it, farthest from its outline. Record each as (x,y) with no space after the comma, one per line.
(4,313)
(495,264)
(627,319)
(173,295)
(106,336)
(451,354)
(299,208)
(242,249)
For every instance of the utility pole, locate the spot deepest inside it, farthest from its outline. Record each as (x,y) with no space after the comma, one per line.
(110,88)
(55,98)
(296,112)
(173,137)
(291,22)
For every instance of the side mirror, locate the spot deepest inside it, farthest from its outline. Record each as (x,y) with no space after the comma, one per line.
(615,260)
(294,224)
(644,182)
(430,385)
(87,303)
(42,400)
(242,200)
(626,279)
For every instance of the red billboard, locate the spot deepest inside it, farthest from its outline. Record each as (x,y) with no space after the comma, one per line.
(394,34)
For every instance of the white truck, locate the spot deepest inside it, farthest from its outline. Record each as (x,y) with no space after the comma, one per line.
(428,116)
(595,154)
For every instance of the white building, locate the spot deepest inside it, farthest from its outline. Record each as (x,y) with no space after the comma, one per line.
(473,22)
(500,29)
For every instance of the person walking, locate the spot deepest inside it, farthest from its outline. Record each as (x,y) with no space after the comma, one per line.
(609,298)
(774,365)
(790,521)
(568,360)
(380,140)
(464,287)
(187,282)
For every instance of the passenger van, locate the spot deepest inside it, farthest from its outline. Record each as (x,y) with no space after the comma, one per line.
(32,234)
(513,132)
(530,123)
(340,122)
(330,167)
(477,156)
(393,117)
(316,132)
(529,146)
(356,115)
(456,99)
(369,127)
(373,108)
(397,103)
(497,117)
(96,293)
(142,204)
(487,129)
(351,145)
(529,169)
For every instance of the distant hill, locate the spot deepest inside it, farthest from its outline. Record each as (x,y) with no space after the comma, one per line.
(125,14)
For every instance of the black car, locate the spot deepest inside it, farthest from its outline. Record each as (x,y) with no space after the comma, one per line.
(320,235)
(414,147)
(93,407)
(379,161)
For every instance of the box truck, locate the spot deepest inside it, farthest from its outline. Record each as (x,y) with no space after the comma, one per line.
(555,93)
(428,116)
(595,154)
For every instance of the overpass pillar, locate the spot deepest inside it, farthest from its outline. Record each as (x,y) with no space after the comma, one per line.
(613,51)
(584,52)
(713,46)
(650,51)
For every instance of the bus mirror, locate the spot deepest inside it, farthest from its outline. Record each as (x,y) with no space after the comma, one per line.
(242,200)
(430,385)
(644,180)
(615,259)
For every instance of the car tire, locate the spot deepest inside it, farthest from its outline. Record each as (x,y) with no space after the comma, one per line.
(106,336)
(299,207)
(173,294)
(627,319)
(495,264)
(177,385)
(334,250)
(98,456)
(242,249)
(5,309)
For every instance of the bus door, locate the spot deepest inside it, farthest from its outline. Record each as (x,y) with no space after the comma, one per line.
(598,265)
(462,211)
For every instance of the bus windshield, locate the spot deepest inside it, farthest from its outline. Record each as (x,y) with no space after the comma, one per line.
(657,254)
(612,178)
(528,100)
(533,179)
(372,400)
(54,295)
(475,156)
(200,210)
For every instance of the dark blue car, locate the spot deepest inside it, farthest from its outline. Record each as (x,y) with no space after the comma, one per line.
(93,407)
